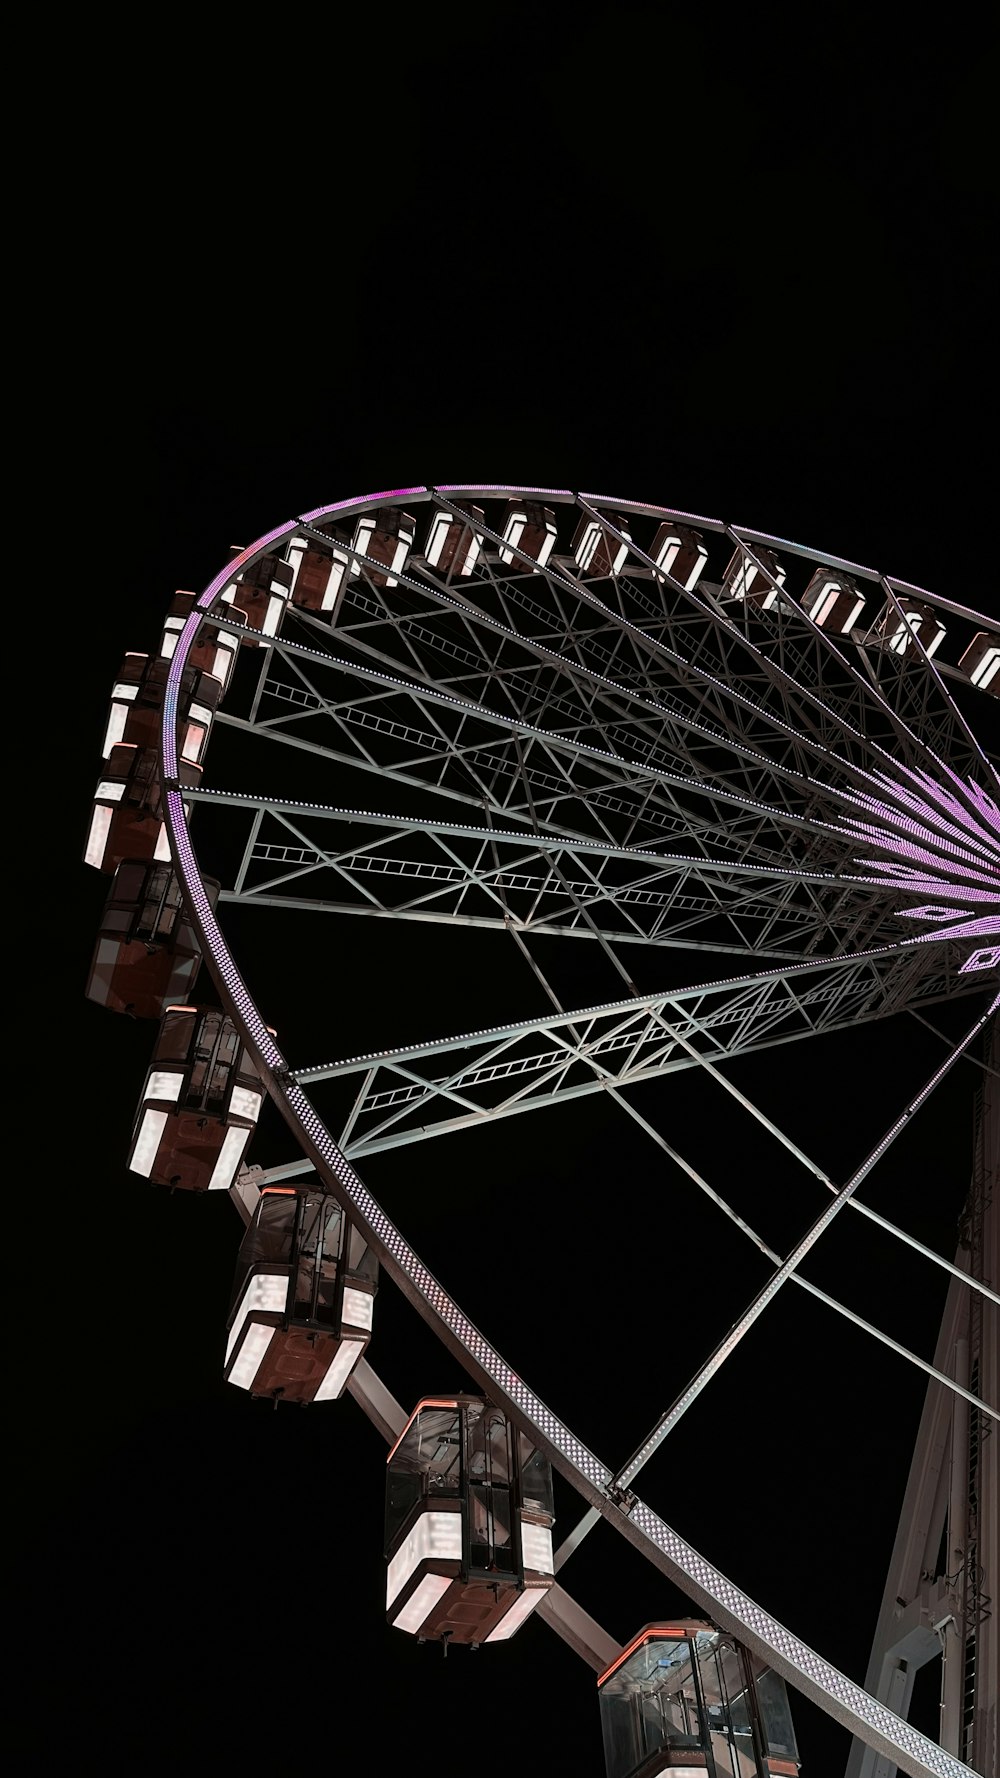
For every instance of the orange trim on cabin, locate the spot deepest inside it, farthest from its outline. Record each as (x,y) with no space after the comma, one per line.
(682,1631)
(427,1401)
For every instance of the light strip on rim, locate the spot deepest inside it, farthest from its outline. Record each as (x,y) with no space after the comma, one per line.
(495,488)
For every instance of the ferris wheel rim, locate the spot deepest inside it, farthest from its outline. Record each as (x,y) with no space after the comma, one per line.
(805,1669)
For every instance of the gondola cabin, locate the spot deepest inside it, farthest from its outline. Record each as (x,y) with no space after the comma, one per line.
(213,650)
(261,592)
(904,622)
(301,1313)
(127,820)
(468,1524)
(833,602)
(147,954)
(531,530)
(199,1105)
(595,550)
(746,579)
(679,552)
(981,662)
(385,539)
(137,702)
(317,575)
(684,1700)
(453,544)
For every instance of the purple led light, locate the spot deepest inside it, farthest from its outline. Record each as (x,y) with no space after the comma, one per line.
(905,849)
(932,913)
(964,873)
(935,911)
(987,958)
(985,928)
(967,828)
(932,824)
(496,488)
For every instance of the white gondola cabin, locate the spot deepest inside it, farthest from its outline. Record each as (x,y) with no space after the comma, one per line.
(746,579)
(147,954)
(213,650)
(301,1313)
(318,575)
(137,703)
(677,550)
(454,544)
(833,602)
(530,529)
(261,591)
(595,551)
(904,621)
(199,1105)
(981,662)
(468,1524)
(384,538)
(127,820)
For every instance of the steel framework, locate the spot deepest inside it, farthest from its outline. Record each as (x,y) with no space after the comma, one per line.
(601,742)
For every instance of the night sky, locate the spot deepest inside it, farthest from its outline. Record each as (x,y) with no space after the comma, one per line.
(743,276)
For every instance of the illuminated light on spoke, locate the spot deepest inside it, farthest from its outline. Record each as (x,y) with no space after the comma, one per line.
(986,958)
(941,842)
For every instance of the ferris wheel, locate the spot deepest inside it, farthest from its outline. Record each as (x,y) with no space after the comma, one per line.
(588,727)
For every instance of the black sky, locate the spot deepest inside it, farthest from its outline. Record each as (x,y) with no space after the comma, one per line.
(733,271)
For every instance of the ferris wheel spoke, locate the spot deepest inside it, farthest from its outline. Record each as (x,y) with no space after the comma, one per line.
(977,1285)
(477,753)
(771,643)
(541,1062)
(585,703)
(668,1421)
(493,772)
(400,865)
(856,706)
(795,736)
(482,755)
(950,719)
(876,651)
(602,712)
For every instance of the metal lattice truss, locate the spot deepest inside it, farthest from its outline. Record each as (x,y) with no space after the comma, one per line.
(410,1095)
(731,768)
(634,759)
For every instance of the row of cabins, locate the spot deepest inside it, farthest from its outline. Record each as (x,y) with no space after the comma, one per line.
(314,575)
(469,1500)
